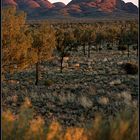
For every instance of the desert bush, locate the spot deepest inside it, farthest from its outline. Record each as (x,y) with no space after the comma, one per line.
(85,102)
(122,127)
(48,83)
(67,54)
(130,68)
(135,47)
(109,47)
(67,98)
(122,47)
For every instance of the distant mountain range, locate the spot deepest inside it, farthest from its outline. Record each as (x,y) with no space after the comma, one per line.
(41,9)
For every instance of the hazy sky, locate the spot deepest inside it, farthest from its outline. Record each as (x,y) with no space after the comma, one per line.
(67,1)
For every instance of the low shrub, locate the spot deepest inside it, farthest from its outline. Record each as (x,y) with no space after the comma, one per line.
(110,48)
(130,68)
(135,47)
(67,54)
(122,47)
(48,83)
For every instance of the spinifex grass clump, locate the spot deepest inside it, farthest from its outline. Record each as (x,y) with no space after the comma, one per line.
(122,127)
(22,126)
(26,127)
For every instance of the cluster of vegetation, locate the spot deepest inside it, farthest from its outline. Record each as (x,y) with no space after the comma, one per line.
(130,68)
(114,35)
(24,45)
(27,126)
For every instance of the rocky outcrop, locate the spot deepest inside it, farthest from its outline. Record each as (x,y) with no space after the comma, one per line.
(76,8)
(31,4)
(9,2)
(105,5)
(59,4)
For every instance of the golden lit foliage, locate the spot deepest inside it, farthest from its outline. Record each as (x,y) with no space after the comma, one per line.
(36,129)
(7,124)
(43,41)
(65,39)
(25,127)
(54,131)
(43,45)
(75,134)
(16,40)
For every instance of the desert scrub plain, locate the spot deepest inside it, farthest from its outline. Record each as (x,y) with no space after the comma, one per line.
(76,95)
(69,81)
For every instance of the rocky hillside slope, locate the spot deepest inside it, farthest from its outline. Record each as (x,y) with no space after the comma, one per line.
(76,8)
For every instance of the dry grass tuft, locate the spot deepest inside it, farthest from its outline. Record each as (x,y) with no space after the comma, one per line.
(26,127)
(85,102)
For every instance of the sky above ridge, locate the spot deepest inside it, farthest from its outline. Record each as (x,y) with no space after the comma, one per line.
(67,1)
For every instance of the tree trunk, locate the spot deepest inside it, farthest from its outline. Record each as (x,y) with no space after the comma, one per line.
(96,48)
(61,61)
(128,50)
(137,51)
(37,66)
(37,73)
(99,48)
(89,50)
(9,72)
(84,49)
